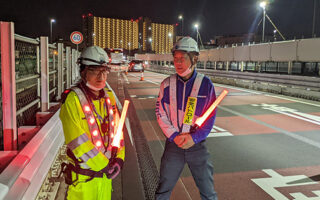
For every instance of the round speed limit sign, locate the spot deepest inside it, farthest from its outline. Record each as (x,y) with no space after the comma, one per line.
(76,37)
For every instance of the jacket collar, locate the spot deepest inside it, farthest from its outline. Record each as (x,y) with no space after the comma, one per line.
(194,75)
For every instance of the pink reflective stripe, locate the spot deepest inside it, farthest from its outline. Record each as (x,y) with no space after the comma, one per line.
(89,114)
(173,100)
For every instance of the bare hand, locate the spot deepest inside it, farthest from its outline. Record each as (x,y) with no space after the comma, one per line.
(187,142)
(178,140)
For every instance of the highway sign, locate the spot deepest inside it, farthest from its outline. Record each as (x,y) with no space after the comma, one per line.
(76,37)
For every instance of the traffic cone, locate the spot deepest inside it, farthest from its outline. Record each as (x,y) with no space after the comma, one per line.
(141,79)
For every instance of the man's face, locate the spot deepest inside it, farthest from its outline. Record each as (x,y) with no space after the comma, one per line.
(97,76)
(181,61)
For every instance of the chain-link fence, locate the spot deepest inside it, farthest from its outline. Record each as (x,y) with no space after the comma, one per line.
(27,84)
(53,73)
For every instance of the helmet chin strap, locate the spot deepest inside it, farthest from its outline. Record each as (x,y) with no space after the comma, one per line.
(92,87)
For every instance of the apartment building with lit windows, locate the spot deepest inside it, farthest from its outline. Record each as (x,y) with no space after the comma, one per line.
(140,35)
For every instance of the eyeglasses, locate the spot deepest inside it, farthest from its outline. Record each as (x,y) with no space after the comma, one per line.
(98,72)
(179,59)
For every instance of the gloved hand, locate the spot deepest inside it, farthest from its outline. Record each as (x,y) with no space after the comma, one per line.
(113,168)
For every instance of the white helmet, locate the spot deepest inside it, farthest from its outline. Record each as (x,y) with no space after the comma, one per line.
(93,55)
(186,44)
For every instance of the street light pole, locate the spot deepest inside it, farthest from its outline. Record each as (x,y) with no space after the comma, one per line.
(181,18)
(314,17)
(51,21)
(263,6)
(197,26)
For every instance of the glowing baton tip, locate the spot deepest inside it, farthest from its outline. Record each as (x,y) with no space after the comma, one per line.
(213,106)
(118,136)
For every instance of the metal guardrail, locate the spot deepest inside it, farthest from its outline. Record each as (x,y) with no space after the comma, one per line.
(20,180)
(309,86)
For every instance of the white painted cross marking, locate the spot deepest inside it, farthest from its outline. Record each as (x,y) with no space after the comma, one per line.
(276,180)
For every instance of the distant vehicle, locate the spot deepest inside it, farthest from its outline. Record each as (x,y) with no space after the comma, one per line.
(115,55)
(136,66)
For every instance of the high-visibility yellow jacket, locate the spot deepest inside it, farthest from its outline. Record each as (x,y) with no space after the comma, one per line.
(77,135)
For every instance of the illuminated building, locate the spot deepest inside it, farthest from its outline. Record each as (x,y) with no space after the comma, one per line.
(141,34)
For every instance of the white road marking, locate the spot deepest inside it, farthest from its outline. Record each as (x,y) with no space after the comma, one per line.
(219,132)
(291,113)
(288,133)
(294,100)
(266,94)
(270,184)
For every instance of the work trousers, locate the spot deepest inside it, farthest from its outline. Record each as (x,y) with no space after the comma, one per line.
(172,163)
(95,189)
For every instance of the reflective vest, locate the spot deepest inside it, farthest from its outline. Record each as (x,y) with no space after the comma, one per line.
(82,130)
(102,143)
(174,115)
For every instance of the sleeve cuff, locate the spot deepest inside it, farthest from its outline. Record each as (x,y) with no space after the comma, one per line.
(171,138)
(195,140)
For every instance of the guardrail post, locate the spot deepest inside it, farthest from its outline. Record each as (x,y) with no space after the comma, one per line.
(290,67)
(227,66)
(215,65)
(60,70)
(44,74)
(68,59)
(8,77)
(242,64)
(77,66)
(73,66)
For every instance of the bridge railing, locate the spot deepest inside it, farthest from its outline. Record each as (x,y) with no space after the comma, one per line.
(297,57)
(33,75)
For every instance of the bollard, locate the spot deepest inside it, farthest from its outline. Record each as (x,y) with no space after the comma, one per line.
(141,79)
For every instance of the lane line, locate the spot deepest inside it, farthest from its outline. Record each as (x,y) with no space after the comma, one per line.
(297,137)
(267,94)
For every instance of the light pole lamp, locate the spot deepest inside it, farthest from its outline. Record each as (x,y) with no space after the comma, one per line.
(263,5)
(51,21)
(196,26)
(181,18)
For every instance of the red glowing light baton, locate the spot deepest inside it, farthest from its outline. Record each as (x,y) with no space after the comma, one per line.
(118,136)
(205,116)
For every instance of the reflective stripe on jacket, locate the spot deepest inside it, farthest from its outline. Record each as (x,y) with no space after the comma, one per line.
(206,96)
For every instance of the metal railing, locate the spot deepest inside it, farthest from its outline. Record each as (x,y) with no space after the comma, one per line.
(300,86)
(26,56)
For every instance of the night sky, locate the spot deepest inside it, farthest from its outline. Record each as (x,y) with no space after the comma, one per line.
(216,17)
